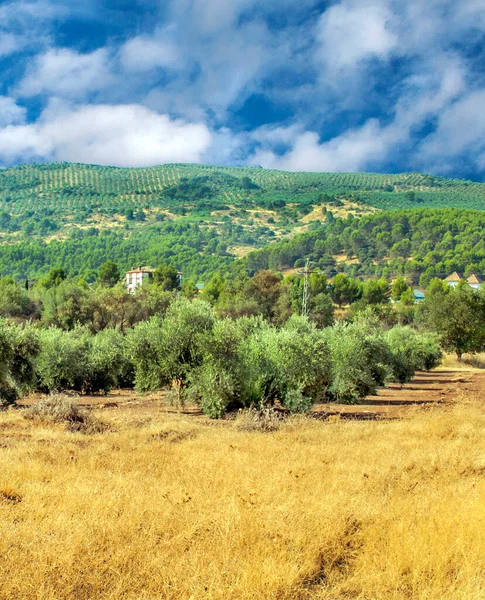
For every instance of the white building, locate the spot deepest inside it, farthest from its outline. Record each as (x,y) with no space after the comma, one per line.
(138,276)
(454,279)
(474,281)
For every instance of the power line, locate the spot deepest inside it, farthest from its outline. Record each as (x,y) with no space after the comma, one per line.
(305,308)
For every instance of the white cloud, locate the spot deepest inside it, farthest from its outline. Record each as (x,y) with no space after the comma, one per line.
(66,73)
(209,16)
(335,69)
(10,43)
(124,135)
(17,13)
(10,112)
(460,131)
(351,151)
(144,53)
(373,143)
(349,35)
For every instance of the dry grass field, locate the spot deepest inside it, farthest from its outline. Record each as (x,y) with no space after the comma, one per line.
(169,506)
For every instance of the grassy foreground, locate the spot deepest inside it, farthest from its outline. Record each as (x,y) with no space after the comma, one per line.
(174,507)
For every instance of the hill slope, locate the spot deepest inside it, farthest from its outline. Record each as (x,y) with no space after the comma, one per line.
(77,194)
(196,217)
(65,187)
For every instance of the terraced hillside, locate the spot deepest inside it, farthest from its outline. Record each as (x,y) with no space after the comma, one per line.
(65,187)
(195,216)
(74,193)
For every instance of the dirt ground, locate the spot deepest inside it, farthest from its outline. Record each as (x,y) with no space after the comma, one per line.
(394,401)
(426,390)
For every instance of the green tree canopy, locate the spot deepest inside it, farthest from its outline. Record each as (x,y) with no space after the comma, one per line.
(109,274)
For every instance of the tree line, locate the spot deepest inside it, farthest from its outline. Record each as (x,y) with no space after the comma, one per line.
(417,244)
(219,363)
(240,342)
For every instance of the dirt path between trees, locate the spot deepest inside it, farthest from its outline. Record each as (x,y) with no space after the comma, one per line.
(426,390)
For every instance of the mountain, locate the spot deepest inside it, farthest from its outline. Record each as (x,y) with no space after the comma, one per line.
(210,213)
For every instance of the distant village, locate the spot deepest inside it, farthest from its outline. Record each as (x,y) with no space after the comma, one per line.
(139,275)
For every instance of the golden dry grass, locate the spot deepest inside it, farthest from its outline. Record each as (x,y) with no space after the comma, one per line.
(467,363)
(174,507)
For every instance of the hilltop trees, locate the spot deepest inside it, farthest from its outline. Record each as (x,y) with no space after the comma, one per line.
(166,277)
(399,287)
(345,290)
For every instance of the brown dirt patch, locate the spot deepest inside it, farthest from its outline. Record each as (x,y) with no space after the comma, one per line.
(426,390)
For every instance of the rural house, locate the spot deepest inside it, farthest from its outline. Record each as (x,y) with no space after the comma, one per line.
(138,276)
(474,281)
(454,279)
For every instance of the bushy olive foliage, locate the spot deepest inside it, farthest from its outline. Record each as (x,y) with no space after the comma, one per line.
(220,363)
(108,365)
(247,362)
(411,352)
(63,358)
(78,360)
(359,362)
(291,365)
(165,350)
(19,345)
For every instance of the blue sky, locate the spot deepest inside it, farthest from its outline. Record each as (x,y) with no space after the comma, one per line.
(350,85)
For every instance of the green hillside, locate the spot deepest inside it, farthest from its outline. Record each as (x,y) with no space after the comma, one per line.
(418,244)
(196,217)
(73,194)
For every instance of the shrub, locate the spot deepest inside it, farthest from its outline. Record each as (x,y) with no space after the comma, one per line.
(56,408)
(19,345)
(63,359)
(218,382)
(166,350)
(108,365)
(59,408)
(428,352)
(77,360)
(359,361)
(411,351)
(214,388)
(289,365)
(263,420)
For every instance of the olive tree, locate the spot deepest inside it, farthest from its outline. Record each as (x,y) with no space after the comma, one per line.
(165,350)
(19,345)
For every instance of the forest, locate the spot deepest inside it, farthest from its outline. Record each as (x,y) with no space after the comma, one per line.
(202,219)
(418,244)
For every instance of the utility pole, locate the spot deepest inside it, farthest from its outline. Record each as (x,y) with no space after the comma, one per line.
(305,308)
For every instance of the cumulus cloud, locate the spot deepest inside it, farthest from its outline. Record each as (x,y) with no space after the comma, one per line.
(67,73)
(10,112)
(349,35)
(10,43)
(352,151)
(144,53)
(374,143)
(355,84)
(19,13)
(124,135)
(460,132)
